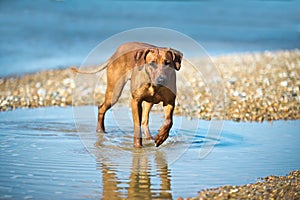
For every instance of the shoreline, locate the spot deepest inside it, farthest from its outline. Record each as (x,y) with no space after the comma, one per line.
(257,86)
(270,187)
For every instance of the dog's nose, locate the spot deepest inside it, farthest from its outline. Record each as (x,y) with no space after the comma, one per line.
(162,80)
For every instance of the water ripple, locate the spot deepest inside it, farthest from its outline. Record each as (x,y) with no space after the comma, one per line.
(43,157)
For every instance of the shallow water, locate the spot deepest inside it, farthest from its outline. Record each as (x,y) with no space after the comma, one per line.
(43,156)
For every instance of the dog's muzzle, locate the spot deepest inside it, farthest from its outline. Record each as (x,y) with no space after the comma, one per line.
(161,81)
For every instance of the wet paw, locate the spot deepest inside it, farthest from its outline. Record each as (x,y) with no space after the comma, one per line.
(160,138)
(99,130)
(137,142)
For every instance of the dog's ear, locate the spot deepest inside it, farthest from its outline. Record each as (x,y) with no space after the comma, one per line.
(177,57)
(140,57)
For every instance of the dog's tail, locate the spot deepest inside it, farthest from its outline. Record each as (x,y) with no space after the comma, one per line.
(76,70)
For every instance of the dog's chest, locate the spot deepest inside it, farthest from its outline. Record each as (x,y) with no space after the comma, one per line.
(155,94)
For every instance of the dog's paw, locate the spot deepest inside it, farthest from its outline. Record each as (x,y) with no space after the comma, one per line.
(100,130)
(137,142)
(160,138)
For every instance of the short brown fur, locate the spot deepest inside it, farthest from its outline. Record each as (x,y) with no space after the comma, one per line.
(153,80)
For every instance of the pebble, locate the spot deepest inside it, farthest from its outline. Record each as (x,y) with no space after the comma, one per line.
(256,86)
(270,187)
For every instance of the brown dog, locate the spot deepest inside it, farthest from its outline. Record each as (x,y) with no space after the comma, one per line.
(153,80)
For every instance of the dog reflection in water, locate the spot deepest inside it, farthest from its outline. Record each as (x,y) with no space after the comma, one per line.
(139,184)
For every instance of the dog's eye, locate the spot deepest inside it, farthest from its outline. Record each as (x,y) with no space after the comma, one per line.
(153,64)
(167,62)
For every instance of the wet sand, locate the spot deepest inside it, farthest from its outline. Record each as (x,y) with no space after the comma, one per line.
(258,87)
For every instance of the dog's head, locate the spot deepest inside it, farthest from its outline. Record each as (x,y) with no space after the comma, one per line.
(159,63)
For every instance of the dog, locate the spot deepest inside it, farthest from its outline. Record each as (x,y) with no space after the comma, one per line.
(151,70)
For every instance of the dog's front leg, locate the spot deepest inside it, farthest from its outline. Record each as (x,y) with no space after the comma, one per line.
(145,119)
(165,128)
(137,116)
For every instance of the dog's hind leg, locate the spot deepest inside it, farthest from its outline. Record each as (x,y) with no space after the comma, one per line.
(113,92)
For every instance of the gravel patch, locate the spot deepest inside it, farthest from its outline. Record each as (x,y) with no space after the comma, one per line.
(257,87)
(270,187)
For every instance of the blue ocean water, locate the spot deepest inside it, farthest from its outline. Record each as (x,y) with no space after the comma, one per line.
(37,35)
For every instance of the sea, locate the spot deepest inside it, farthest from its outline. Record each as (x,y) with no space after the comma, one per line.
(48,34)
